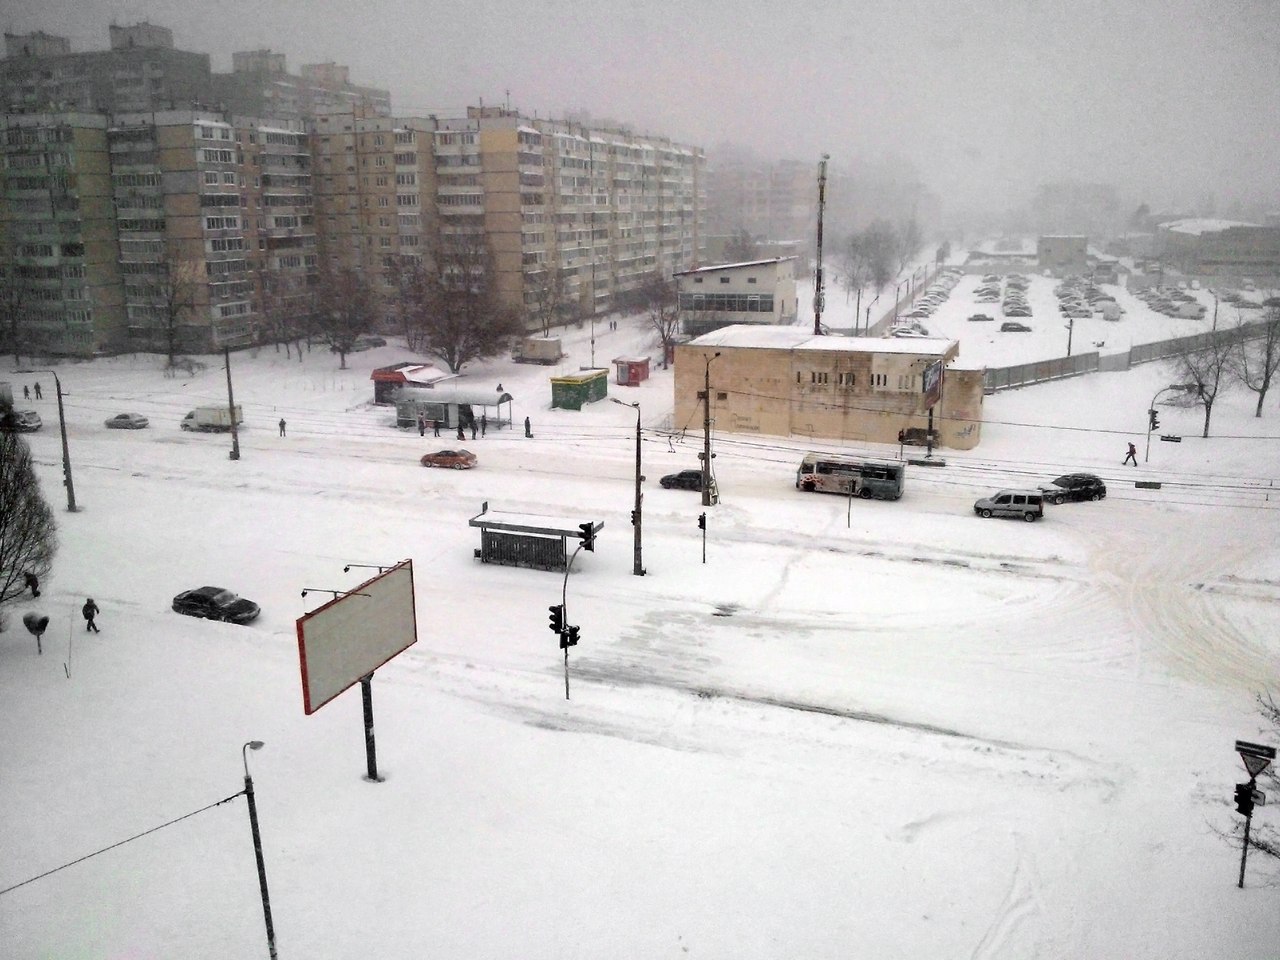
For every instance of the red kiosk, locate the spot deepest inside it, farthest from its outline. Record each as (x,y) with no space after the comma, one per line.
(631,370)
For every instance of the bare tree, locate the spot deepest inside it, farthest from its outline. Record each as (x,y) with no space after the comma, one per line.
(907,241)
(1255,361)
(879,242)
(1206,369)
(552,302)
(285,311)
(13,302)
(855,268)
(174,292)
(27,530)
(456,308)
(345,305)
(656,296)
(741,247)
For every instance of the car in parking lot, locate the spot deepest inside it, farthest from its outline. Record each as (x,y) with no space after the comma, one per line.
(127,421)
(20,421)
(1074,487)
(216,603)
(981,318)
(456,459)
(1013,327)
(684,480)
(1027,504)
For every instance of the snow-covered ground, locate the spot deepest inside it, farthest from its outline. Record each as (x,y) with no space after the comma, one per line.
(859,730)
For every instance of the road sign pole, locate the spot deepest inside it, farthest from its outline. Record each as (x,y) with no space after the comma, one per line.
(1244,849)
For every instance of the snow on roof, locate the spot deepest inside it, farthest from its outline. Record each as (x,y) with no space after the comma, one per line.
(532,523)
(772,337)
(1200,225)
(731,266)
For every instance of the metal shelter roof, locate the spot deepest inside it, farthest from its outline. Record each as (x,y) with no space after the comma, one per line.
(474,397)
(532,523)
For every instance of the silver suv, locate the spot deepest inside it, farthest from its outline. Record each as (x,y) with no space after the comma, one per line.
(1027,504)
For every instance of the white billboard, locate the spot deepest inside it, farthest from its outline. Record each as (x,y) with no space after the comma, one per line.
(352,635)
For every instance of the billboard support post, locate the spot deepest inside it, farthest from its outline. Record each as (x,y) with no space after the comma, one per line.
(370,751)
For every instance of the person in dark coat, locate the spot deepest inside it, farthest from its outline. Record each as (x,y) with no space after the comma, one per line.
(38,396)
(422,425)
(528,429)
(484,423)
(1131,455)
(435,425)
(32,582)
(90,610)
(26,392)
(474,429)
(461,433)
(282,425)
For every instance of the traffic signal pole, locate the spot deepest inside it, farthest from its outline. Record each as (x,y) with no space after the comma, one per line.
(1248,819)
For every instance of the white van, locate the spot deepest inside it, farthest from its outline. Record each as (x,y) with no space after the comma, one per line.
(1027,504)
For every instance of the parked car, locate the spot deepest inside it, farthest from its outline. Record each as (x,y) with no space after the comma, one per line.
(20,421)
(457,459)
(1074,487)
(1009,327)
(684,480)
(127,421)
(981,318)
(1027,504)
(215,603)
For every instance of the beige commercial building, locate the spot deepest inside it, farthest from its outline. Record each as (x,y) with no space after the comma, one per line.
(783,381)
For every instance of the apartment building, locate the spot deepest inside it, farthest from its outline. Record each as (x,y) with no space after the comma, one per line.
(260,85)
(1220,248)
(58,251)
(141,71)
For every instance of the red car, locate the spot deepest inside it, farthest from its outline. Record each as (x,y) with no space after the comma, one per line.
(458,459)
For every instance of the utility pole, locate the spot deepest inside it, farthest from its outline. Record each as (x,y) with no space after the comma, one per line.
(819,296)
(706,432)
(637,513)
(231,404)
(62,427)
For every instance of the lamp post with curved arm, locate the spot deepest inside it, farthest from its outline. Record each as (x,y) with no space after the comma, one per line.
(637,512)
(257,845)
(66,454)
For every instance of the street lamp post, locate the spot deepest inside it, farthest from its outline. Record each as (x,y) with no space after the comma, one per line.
(706,431)
(637,513)
(257,845)
(1214,294)
(62,426)
(896,291)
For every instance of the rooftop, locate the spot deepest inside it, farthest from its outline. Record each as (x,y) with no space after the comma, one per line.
(769,337)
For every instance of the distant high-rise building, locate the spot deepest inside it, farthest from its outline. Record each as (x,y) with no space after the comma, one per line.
(260,85)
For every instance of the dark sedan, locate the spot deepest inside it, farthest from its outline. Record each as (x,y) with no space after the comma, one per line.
(1074,487)
(215,603)
(684,480)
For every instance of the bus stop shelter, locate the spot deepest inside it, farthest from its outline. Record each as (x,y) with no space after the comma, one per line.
(527,539)
(451,407)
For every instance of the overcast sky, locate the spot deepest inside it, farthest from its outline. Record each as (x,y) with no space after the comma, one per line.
(1170,102)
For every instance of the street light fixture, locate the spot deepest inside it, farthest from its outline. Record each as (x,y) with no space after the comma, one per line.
(62,426)
(637,513)
(257,845)
(896,300)
(706,430)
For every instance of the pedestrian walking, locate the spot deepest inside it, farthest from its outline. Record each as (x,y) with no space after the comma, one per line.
(528,429)
(33,582)
(26,392)
(474,428)
(1132,455)
(282,425)
(422,425)
(461,434)
(38,396)
(484,424)
(435,425)
(90,610)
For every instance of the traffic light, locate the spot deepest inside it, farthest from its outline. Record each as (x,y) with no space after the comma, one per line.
(557,618)
(1244,798)
(702,521)
(569,638)
(633,518)
(588,535)
(1155,420)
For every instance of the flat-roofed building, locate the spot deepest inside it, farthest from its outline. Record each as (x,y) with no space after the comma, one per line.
(784,381)
(720,295)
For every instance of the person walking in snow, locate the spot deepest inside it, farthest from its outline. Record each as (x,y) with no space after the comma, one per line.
(1131,455)
(26,392)
(90,610)
(484,423)
(38,396)
(435,425)
(32,582)
(474,428)
(282,425)
(528,428)
(461,433)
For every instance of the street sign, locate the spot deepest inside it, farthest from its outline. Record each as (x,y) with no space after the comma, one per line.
(1259,798)
(1169,438)
(1147,484)
(1256,756)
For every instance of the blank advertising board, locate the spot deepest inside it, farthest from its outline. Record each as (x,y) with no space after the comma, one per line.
(352,635)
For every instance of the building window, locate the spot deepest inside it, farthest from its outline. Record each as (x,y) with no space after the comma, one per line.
(724,279)
(845,379)
(817,376)
(879,379)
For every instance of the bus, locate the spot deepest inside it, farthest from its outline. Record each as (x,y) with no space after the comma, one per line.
(882,479)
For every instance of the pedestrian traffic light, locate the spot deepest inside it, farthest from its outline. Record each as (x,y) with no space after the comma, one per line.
(702,521)
(557,618)
(1244,798)
(569,638)
(588,535)
(1155,420)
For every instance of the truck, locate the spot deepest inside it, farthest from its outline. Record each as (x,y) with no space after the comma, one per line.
(544,350)
(211,419)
